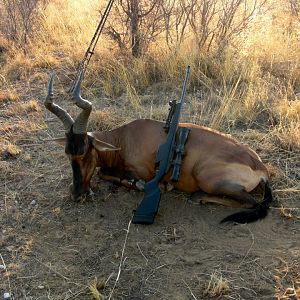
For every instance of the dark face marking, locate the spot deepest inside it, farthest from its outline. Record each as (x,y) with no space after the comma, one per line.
(78,188)
(76,147)
(76,143)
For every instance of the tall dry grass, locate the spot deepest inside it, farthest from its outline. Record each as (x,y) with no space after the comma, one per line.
(252,82)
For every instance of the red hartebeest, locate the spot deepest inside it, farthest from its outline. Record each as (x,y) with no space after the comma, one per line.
(214,163)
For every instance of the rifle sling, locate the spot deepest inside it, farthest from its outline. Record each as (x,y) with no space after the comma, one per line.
(179,151)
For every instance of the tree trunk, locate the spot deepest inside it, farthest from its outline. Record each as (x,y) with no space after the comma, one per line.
(135,32)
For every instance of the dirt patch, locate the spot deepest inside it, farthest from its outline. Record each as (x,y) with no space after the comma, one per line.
(56,249)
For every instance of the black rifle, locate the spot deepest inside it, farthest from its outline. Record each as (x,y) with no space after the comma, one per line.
(170,115)
(148,208)
(182,136)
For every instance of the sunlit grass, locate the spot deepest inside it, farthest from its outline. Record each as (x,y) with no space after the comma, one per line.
(257,75)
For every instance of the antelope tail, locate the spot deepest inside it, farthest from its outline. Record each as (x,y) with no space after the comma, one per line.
(259,212)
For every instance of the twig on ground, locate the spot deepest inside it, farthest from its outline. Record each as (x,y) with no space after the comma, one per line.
(73,296)
(56,272)
(142,252)
(290,208)
(109,277)
(287,190)
(194,297)
(121,260)
(31,182)
(247,253)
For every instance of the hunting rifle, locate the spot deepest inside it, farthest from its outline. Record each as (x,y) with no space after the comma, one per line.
(146,211)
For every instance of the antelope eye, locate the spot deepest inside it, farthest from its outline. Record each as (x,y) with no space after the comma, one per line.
(79,157)
(75,157)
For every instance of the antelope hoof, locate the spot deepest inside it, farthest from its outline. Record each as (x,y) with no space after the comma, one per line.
(196,202)
(140,185)
(165,187)
(196,198)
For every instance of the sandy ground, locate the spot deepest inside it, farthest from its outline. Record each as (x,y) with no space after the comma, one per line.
(56,249)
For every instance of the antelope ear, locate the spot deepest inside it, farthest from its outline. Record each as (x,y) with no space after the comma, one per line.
(102,146)
(60,141)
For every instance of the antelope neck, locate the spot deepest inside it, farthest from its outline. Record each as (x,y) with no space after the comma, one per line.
(109,158)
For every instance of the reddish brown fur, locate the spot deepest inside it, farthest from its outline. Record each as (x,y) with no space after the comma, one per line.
(214,163)
(210,157)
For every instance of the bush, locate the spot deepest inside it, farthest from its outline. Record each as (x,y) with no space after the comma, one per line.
(19,18)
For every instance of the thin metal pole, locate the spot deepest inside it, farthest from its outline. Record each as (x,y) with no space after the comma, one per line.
(90,50)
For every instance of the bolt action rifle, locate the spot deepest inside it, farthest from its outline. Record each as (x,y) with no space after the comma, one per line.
(148,208)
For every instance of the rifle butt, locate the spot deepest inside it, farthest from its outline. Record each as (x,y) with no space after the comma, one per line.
(148,208)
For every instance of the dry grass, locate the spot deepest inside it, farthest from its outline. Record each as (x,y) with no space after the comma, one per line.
(104,120)
(9,96)
(95,286)
(17,67)
(23,108)
(288,128)
(10,150)
(217,285)
(27,107)
(257,85)
(285,213)
(287,278)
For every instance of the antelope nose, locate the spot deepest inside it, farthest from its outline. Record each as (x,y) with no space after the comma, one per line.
(82,195)
(72,193)
(75,195)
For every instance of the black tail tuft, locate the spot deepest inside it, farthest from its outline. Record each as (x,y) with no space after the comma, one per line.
(254,214)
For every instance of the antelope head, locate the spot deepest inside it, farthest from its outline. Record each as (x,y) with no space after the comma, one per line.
(80,147)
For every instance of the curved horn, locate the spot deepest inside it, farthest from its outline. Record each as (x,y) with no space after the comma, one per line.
(55,109)
(80,124)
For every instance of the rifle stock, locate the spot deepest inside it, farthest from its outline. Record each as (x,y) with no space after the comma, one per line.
(148,208)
